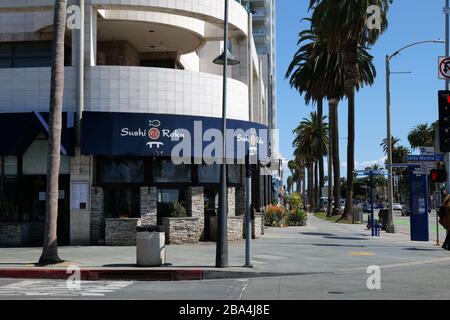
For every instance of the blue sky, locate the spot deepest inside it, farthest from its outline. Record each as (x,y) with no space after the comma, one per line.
(414,96)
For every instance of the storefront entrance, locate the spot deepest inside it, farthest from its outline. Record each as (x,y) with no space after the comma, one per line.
(34,192)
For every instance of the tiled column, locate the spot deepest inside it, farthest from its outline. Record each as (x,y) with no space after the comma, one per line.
(148,205)
(231,202)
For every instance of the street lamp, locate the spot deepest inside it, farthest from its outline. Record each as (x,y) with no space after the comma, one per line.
(225,59)
(390,223)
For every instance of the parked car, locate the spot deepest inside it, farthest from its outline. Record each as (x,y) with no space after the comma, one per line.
(406,211)
(397,207)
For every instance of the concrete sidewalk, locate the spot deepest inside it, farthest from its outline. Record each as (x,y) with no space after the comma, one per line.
(321,247)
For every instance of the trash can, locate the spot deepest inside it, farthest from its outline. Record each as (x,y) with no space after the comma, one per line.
(150,246)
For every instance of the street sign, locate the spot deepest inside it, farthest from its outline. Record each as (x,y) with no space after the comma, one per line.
(444,68)
(371,172)
(426,158)
(428,151)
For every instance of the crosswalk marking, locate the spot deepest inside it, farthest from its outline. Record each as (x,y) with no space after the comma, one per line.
(59,288)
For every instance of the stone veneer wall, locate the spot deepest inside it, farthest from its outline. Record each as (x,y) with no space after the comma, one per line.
(182,230)
(231,202)
(192,229)
(21,234)
(97,216)
(120,232)
(235,228)
(257,225)
(149,208)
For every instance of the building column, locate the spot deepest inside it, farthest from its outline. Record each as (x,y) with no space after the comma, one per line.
(80,217)
(231,202)
(149,206)
(196,208)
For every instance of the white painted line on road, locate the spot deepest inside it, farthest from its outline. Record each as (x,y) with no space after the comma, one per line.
(58,288)
(401,265)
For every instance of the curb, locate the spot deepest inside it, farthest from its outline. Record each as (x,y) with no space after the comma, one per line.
(103,274)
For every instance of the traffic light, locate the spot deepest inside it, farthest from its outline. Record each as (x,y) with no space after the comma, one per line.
(444,120)
(438,176)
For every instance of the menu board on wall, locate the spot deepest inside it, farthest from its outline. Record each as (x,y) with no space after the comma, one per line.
(80,195)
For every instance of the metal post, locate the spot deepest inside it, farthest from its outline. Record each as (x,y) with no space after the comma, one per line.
(390,223)
(438,189)
(80,106)
(447,81)
(248,217)
(372,214)
(222,221)
(248,211)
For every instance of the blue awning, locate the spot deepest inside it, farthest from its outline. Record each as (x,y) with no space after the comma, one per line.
(19,130)
(146,134)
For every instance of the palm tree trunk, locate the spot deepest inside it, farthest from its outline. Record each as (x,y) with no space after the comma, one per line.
(305,198)
(316,187)
(330,165)
(348,211)
(50,247)
(334,125)
(321,152)
(310,186)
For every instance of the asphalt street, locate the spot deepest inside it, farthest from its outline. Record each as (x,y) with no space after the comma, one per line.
(321,261)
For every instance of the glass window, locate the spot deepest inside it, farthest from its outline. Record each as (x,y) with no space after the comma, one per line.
(123,202)
(211,202)
(164,171)
(5,55)
(121,171)
(10,165)
(234,174)
(167,198)
(209,173)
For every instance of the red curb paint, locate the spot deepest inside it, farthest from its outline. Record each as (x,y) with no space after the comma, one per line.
(104,274)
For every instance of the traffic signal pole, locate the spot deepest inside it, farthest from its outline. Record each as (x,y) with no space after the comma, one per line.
(447,83)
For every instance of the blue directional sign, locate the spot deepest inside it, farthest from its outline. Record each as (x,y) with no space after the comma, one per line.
(371,172)
(418,187)
(426,158)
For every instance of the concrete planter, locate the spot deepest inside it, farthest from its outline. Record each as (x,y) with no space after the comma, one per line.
(150,249)
(120,232)
(183,230)
(21,234)
(235,228)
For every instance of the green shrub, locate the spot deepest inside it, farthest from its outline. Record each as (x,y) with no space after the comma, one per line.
(179,211)
(275,216)
(297,218)
(295,201)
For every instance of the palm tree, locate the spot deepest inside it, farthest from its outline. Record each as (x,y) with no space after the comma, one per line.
(421,136)
(343,25)
(309,145)
(290,183)
(50,247)
(394,142)
(317,73)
